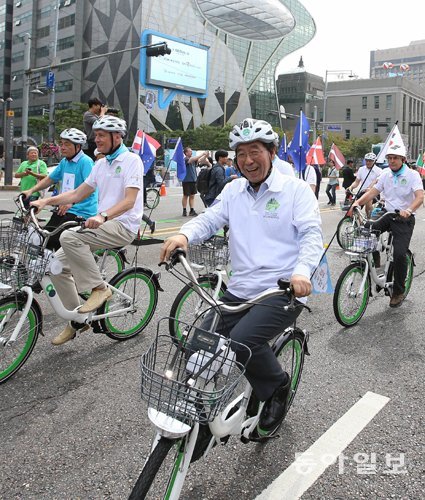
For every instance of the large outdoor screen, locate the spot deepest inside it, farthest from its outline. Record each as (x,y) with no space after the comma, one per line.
(186,68)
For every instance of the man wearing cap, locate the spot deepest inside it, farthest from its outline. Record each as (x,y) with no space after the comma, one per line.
(96,110)
(72,171)
(402,189)
(30,172)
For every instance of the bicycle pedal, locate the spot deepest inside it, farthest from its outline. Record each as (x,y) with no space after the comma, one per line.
(255,438)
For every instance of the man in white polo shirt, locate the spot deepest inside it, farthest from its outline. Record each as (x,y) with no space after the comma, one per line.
(366,177)
(119,180)
(403,191)
(275,232)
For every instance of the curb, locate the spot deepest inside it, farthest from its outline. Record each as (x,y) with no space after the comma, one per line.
(9,188)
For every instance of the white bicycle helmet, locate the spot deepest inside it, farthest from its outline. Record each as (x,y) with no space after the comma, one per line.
(111,124)
(370,156)
(74,135)
(251,130)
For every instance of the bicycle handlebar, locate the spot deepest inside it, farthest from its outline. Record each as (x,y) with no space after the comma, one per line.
(179,256)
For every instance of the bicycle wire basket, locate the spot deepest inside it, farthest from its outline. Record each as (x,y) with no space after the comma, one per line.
(23,260)
(212,253)
(360,239)
(180,379)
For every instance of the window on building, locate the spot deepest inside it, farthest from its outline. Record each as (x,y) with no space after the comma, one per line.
(42,51)
(18,56)
(388,120)
(17,93)
(364,102)
(348,114)
(44,31)
(347,134)
(388,101)
(376,101)
(66,43)
(43,12)
(375,126)
(66,21)
(64,86)
(364,126)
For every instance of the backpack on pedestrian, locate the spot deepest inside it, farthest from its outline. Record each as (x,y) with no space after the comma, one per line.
(203,180)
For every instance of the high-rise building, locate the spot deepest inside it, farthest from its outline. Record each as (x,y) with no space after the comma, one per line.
(408,61)
(246,41)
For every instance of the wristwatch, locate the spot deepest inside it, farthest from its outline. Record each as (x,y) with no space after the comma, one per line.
(104,215)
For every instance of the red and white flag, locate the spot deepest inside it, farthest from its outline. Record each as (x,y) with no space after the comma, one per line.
(336,156)
(138,141)
(315,154)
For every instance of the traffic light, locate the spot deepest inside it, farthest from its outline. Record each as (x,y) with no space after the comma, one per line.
(158,50)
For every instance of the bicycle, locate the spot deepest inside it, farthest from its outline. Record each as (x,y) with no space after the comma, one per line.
(354,286)
(188,385)
(25,269)
(153,197)
(211,261)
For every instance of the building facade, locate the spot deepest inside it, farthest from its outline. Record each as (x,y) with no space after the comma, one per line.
(246,41)
(408,61)
(372,106)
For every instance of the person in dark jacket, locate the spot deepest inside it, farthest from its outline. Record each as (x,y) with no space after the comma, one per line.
(218,177)
(348,175)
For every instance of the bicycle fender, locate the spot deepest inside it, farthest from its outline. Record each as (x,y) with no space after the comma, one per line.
(36,305)
(155,277)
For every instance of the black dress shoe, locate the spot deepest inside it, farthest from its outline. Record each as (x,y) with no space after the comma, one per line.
(274,409)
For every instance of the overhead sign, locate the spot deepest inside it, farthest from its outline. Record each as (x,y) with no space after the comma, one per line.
(50,80)
(334,128)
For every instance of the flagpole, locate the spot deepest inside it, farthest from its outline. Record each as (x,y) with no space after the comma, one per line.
(300,143)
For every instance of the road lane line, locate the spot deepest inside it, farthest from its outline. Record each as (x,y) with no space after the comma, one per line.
(295,480)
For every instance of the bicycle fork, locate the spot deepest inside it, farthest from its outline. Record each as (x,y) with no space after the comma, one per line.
(9,341)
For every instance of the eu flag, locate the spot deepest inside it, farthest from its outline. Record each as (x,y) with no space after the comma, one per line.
(178,157)
(146,154)
(299,145)
(283,153)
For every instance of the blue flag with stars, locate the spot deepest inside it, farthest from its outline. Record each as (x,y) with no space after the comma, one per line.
(299,145)
(178,157)
(283,151)
(146,154)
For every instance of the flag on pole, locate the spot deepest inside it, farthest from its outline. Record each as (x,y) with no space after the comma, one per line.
(283,149)
(178,157)
(393,145)
(336,156)
(315,154)
(145,146)
(299,144)
(420,164)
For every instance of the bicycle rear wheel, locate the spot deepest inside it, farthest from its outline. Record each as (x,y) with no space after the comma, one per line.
(110,262)
(159,474)
(13,357)
(189,307)
(152,198)
(139,284)
(348,303)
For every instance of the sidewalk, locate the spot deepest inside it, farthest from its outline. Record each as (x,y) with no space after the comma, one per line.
(10,187)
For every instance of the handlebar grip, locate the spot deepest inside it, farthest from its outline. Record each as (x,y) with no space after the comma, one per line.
(283,284)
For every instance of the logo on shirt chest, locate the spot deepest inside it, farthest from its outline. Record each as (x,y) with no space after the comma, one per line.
(403,182)
(271,209)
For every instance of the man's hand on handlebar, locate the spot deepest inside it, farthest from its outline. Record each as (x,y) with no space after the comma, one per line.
(301,285)
(62,209)
(170,244)
(39,204)
(404,214)
(26,193)
(94,222)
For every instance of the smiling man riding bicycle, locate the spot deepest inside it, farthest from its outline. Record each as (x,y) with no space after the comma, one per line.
(275,232)
(403,191)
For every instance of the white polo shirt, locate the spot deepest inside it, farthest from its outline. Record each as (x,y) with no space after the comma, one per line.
(274,233)
(125,171)
(310,175)
(363,172)
(399,191)
(284,167)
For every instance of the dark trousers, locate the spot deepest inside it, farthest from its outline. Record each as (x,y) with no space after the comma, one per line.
(255,327)
(54,222)
(331,192)
(402,230)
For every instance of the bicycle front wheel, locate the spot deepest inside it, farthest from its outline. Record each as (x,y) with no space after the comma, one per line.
(189,307)
(138,283)
(349,302)
(343,225)
(152,198)
(161,471)
(110,263)
(13,356)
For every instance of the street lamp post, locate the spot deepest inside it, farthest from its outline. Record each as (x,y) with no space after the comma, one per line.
(8,140)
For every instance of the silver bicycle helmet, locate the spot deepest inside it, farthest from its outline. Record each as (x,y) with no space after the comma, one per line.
(111,124)
(251,130)
(370,156)
(74,135)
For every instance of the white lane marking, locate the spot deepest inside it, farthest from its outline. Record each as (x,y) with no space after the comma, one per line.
(295,481)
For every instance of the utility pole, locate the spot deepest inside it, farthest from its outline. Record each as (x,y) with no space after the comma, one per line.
(52,89)
(26,88)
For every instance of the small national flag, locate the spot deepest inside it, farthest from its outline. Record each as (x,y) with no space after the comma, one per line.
(336,156)
(420,164)
(321,279)
(283,150)
(394,144)
(299,144)
(315,154)
(178,157)
(145,146)
(146,154)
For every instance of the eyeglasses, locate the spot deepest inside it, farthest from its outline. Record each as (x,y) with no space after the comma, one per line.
(254,155)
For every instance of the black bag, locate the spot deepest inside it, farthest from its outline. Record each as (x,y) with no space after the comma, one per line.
(203,180)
